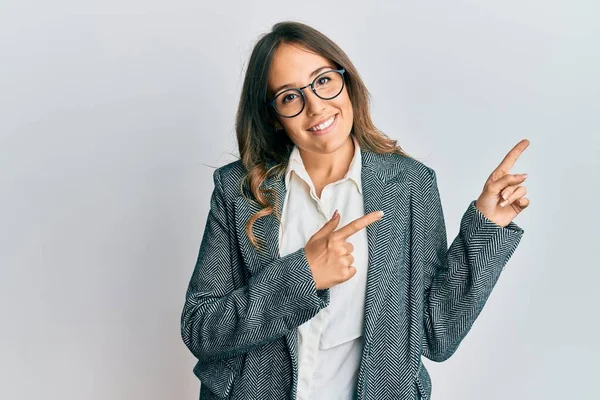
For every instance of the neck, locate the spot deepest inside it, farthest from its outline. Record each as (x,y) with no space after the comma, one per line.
(326,168)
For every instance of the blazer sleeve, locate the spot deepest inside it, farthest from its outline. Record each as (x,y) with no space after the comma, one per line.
(459,280)
(221,319)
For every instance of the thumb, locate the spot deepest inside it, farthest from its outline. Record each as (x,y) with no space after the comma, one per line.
(331,224)
(351,271)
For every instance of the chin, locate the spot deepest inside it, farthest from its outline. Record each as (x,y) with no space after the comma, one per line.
(335,142)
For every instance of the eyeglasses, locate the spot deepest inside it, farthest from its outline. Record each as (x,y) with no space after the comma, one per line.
(326,86)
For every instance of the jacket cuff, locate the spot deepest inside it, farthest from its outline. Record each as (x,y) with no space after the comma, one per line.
(295,279)
(322,294)
(475,224)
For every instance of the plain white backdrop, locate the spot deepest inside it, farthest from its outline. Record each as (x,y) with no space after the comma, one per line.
(114,113)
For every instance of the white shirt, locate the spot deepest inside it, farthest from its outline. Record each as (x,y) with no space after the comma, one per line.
(330,344)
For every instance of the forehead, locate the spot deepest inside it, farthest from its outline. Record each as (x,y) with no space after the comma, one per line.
(293,64)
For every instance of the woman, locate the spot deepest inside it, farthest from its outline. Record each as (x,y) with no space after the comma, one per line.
(291,299)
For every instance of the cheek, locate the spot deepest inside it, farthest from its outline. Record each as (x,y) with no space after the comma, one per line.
(345,103)
(347,109)
(292,125)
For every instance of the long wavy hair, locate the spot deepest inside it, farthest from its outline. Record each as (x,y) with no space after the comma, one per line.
(264,152)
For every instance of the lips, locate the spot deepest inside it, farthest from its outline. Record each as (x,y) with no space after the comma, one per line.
(332,118)
(326,130)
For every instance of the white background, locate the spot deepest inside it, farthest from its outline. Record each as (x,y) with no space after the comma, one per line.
(114,113)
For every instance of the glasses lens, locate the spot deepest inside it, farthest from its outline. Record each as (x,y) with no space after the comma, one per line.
(329,84)
(289,103)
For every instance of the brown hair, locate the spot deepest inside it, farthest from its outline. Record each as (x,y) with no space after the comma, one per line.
(258,141)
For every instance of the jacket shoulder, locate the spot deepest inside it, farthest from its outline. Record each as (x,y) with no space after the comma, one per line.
(229,177)
(406,168)
(232,171)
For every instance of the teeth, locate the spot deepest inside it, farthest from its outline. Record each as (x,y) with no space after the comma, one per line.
(323,125)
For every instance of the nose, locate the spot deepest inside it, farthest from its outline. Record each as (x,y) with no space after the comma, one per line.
(314,104)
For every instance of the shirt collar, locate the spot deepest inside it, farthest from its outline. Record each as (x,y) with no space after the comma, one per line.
(297,165)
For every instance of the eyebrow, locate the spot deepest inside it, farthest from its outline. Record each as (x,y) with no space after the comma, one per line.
(289,85)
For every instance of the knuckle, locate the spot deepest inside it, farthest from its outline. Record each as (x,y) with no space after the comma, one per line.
(347,260)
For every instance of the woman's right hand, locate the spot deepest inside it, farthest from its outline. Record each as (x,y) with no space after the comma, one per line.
(329,255)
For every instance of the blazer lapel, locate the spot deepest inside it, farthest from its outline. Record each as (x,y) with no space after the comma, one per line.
(383,189)
(265,229)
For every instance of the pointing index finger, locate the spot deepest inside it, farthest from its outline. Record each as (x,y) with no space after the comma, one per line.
(362,222)
(512,156)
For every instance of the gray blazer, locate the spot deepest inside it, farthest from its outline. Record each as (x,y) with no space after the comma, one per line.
(243,306)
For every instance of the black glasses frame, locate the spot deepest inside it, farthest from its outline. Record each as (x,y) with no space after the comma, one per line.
(300,90)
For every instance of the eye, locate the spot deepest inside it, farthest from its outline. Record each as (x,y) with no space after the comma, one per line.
(323,80)
(289,97)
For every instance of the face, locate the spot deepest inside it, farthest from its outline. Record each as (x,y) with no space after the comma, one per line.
(295,65)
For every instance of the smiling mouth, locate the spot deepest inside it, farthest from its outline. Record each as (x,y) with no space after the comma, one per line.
(324,125)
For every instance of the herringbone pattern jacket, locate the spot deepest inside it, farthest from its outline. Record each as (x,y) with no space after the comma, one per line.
(243,306)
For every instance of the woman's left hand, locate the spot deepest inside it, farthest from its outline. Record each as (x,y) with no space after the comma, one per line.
(503,198)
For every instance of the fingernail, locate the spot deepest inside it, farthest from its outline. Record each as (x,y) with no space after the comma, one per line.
(335,214)
(524,175)
(381,213)
(503,203)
